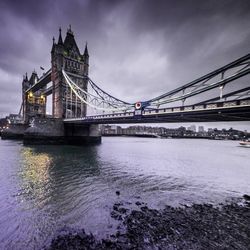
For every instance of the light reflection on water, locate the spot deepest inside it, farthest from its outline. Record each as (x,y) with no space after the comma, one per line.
(49,189)
(35,174)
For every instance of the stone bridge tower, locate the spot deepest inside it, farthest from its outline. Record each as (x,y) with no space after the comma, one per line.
(66,55)
(33,104)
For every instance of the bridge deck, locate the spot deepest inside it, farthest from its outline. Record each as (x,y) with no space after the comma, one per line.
(228,111)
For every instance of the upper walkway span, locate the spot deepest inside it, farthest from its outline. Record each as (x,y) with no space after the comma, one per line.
(41,83)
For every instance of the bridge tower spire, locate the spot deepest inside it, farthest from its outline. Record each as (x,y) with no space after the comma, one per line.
(86,60)
(60,41)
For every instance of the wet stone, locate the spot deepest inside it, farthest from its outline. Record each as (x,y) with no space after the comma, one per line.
(199,226)
(117,209)
(144,208)
(138,203)
(116,215)
(246,197)
(128,202)
(123,210)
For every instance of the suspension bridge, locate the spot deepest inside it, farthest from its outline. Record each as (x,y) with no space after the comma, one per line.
(77,101)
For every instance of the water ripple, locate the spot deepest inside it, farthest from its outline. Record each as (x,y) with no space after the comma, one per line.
(47,189)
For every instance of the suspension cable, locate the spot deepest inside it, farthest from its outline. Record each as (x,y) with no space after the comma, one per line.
(74,88)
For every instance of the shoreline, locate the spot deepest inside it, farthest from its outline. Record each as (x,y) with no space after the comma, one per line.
(199,226)
(173,137)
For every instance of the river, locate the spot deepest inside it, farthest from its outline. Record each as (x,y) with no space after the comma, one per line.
(49,190)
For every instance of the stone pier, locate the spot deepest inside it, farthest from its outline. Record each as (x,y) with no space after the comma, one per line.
(54,131)
(45,131)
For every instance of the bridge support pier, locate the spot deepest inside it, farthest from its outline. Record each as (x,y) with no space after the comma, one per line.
(80,134)
(44,131)
(54,131)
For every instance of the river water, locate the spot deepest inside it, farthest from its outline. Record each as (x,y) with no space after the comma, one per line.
(51,190)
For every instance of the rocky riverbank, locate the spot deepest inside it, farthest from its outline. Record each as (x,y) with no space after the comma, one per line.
(200,226)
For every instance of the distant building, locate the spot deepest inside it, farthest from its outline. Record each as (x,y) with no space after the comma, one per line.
(181,132)
(201,129)
(14,118)
(210,130)
(111,130)
(175,132)
(3,123)
(192,128)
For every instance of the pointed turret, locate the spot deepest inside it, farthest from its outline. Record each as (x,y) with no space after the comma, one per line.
(25,83)
(60,41)
(69,30)
(53,45)
(86,60)
(86,52)
(70,43)
(26,76)
(33,78)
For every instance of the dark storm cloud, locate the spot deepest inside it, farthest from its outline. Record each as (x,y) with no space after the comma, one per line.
(217,31)
(138,49)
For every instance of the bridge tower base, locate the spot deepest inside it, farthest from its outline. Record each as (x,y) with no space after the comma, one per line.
(53,131)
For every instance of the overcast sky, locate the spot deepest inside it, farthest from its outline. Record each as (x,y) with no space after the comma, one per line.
(138,49)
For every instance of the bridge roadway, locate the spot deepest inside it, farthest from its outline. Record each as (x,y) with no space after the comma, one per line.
(212,112)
